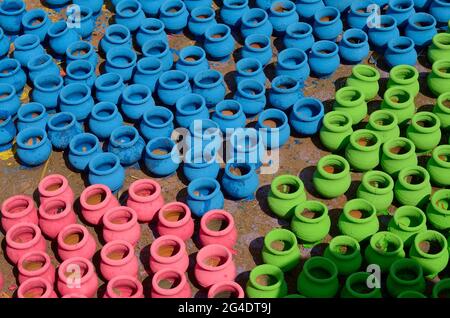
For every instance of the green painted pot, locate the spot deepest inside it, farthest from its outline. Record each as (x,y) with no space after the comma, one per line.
(311,222)
(398,153)
(438,210)
(400,102)
(384,249)
(266,281)
(405,275)
(432,261)
(351,100)
(286,191)
(332,176)
(442,110)
(377,187)
(441,289)
(336,130)
(345,252)
(438,79)
(318,279)
(356,287)
(439,48)
(407,222)
(358,219)
(366,79)
(438,166)
(424,131)
(406,77)
(384,123)
(411,294)
(363,150)
(281,249)
(413,186)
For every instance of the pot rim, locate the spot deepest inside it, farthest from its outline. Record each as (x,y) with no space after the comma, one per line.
(35,281)
(213,214)
(254,13)
(192,50)
(289,5)
(396,9)
(34,107)
(179,106)
(38,272)
(425,116)
(440,102)
(323,44)
(110,246)
(164,240)
(84,136)
(117,28)
(257,39)
(18,45)
(102,106)
(90,271)
(160,44)
(399,141)
(58,216)
(79,45)
(352,33)
(25,245)
(437,152)
(322,261)
(30,206)
(347,241)
(285,179)
(379,174)
(114,139)
(245,165)
(203,11)
(30,133)
(10,61)
(152,22)
(280,234)
(201,181)
(436,197)
(139,289)
(350,103)
(378,114)
(394,74)
(131,214)
(255,85)
(172,291)
(396,89)
(77,64)
(163,112)
(169,5)
(358,277)
(174,224)
(400,40)
(144,183)
(272,113)
(98,189)
(121,52)
(166,142)
(327,11)
(15,12)
(228,104)
(75,87)
(292,52)
(430,234)
(266,269)
(212,250)
(226,286)
(437,65)
(361,133)
(208,74)
(421,17)
(215,29)
(405,211)
(73,229)
(337,114)
(9,90)
(418,170)
(314,205)
(99,81)
(173,74)
(103,156)
(329,159)
(406,263)
(127,4)
(357,69)
(393,238)
(370,208)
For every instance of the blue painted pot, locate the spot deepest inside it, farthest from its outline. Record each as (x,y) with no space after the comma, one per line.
(242,185)
(33,146)
(232,11)
(36,22)
(42,65)
(359,14)
(9,101)
(282,14)
(299,35)
(401,10)
(400,51)
(56,4)
(196,166)
(324,58)
(121,61)
(204,195)
(211,86)
(62,128)
(193,4)
(229,115)
(306,116)
(252,97)
(273,137)
(82,72)
(200,20)
(76,98)
(11,13)
(174,15)
(105,117)
(190,107)
(249,68)
(204,135)
(116,35)
(172,85)
(60,37)
(330,28)
(32,115)
(294,63)
(440,10)
(379,37)
(264,4)
(7,130)
(219,43)
(94,5)
(81,50)
(259,47)
(354,46)
(82,148)
(11,73)
(151,29)
(126,143)
(129,14)
(192,61)
(247,146)
(156,122)
(341,5)
(4,44)
(256,21)
(161,50)
(46,90)
(421,5)
(25,47)
(151,7)
(148,71)
(109,88)
(161,156)
(105,168)
(87,22)
(136,100)
(421,28)
(285,92)
(307,8)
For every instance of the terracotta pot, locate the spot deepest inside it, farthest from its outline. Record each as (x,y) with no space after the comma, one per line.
(55,214)
(169,283)
(144,197)
(175,219)
(95,200)
(23,238)
(118,258)
(18,209)
(78,275)
(226,290)
(217,227)
(36,287)
(35,264)
(121,223)
(124,286)
(75,240)
(55,185)
(214,264)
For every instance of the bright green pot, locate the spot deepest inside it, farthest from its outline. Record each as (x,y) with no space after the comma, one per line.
(407,222)
(441,289)
(438,166)
(405,275)
(377,187)
(345,252)
(424,131)
(413,186)
(332,176)
(356,287)
(311,222)
(442,110)
(438,210)
(281,249)
(366,79)
(266,281)
(406,77)
(358,219)
(351,100)
(438,79)
(363,150)
(384,249)
(286,191)
(384,123)
(318,278)
(439,48)
(400,102)
(398,153)
(336,130)
(411,294)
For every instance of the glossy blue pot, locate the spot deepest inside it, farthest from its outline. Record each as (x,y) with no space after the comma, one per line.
(32,115)
(250,68)
(359,14)
(27,46)
(440,10)
(11,13)
(87,23)
(42,65)
(151,7)
(174,15)
(9,101)
(401,10)
(211,86)
(7,130)
(156,122)
(307,8)
(192,61)
(60,36)
(148,71)
(105,168)
(299,35)
(105,117)
(190,107)
(161,50)
(81,50)
(421,5)
(294,63)
(11,73)
(82,148)
(80,71)
(379,37)
(229,115)
(136,100)
(240,185)
(252,97)
(33,146)
(4,44)
(109,88)
(264,4)
(282,14)
(256,21)
(354,46)
(324,58)
(232,11)
(94,5)
(193,4)
(161,156)
(330,28)
(121,61)
(172,85)
(219,43)
(306,116)
(151,29)
(76,98)
(400,51)
(341,5)
(129,14)
(259,47)
(126,143)
(196,166)
(46,90)
(62,128)
(204,135)
(200,20)
(204,195)
(36,22)
(421,28)
(275,134)
(285,92)
(246,146)
(116,35)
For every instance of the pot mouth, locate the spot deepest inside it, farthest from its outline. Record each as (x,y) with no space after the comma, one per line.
(327,15)
(174,214)
(55,209)
(228,109)
(235,4)
(359,8)
(422,21)
(168,281)
(152,26)
(120,218)
(48,83)
(287,186)
(238,171)
(190,104)
(34,19)
(442,68)
(85,13)
(149,65)
(257,43)
(285,84)
(117,253)
(414,178)
(118,34)
(409,218)
(214,257)
(17,206)
(344,247)
(442,41)
(359,211)
(35,287)
(292,59)
(7,91)
(356,285)
(80,50)
(167,249)
(365,140)
(203,189)
(430,244)
(325,48)
(31,112)
(124,136)
(26,42)
(161,148)
(387,23)
(144,190)
(173,79)
(121,57)
(397,97)
(226,290)
(208,79)
(84,144)
(272,120)
(441,289)
(333,167)
(58,29)
(173,8)
(104,111)
(383,120)
(53,185)
(443,102)
(378,182)
(401,45)
(75,94)
(406,271)
(404,74)
(308,109)
(425,122)
(203,14)
(104,163)
(399,148)
(217,223)
(73,237)
(217,33)
(39,62)
(441,201)
(108,81)
(31,138)
(337,121)
(80,69)
(254,18)
(158,117)
(9,67)
(365,73)
(386,243)
(128,8)
(282,8)
(12,7)
(311,212)
(350,96)
(6,119)
(23,235)
(441,155)
(251,89)
(136,94)
(299,30)
(266,277)
(124,286)
(192,55)
(320,269)
(34,263)
(155,48)
(78,268)
(401,5)
(95,197)
(355,38)
(444,3)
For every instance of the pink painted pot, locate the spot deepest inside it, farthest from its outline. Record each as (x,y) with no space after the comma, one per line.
(18,209)
(168,251)
(124,286)
(118,258)
(36,264)
(217,227)
(36,287)
(55,186)
(226,290)
(75,240)
(77,275)
(55,214)
(95,200)
(170,283)
(73,296)
(121,224)
(175,219)
(214,265)
(23,238)
(144,196)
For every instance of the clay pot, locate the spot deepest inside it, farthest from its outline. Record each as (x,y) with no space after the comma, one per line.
(118,258)
(366,79)
(281,249)
(54,215)
(232,11)
(226,290)
(354,46)
(75,240)
(214,264)
(400,51)
(77,274)
(405,275)
(353,284)
(384,123)
(259,47)
(438,80)
(82,149)
(35,264)
(440,288)
(359,219)
(33,146)
(336,130)
(384,249)
(219,42)
(169,283)
(95,200)
(421,28)
(406,77)
(36,287)
(76,98)
(22,238)
(438,167)
(124,286)
(18,209)
(424,131)
(379,37)
(377,187)
(266,281)
(299,35)
(327,23)
(318,278)
(168,251)
(201,19)
(204,194)
(440,47)
(174,15)
(282,14)
(438,210)
(363,150)
(352,101)
(262,25)
(306,116)
(175,219)
(311,222)
(286,192)
(240,180)
(121,223)
(218,227)
(398,153)
(332,177)
(144,196)
(109,87)
(62,129)
(324,58)
(345,252)
(443,111)
(413,186)
(407,222)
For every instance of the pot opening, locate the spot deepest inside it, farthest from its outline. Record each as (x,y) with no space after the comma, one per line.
(80,70)
(217,223)
(258,45)
(193,105)
(365,72)
(300,31)
(339,121)
(105,112)
(128,10)
(171,281)
(125,137)
(48,82)
(386,121)
(124,288)
(405,74)
(41,60)
(17,206)
(288,188)
(157,49)
(118,252)
(360,287)
(293,60)
(430,246)
(427,122)
(121,217)
(402,46)
(59,28)
(236,3)
(402,5)
(175,214)
(344,249)
(23,234)
(117,36)
(218,35)
(204,190)
(272,123)
(281,245)
(380,183)
(36,21)
(414,178)
(312,213)
(73,237)
(281,8)
(327,18)
(210,79)
(176,7)
(145,190)
(169,249)
(160,151)
(192,58)
(60,122)
(35,291)
(256,20)
(444,69)
(55,207)
(104,166)
(266,280)
(446,102)
(34,141)
(229,112)
(75,271)
(355,40)
(229,292)
(76,95)
(400,149)
(252,90)
(96,197)
(385,245)
(407,274)
(34,263)
(86,146)
(367,141)
(239,170)
(80,52)
(444,204)
(411,221)
(320,272)
(286,85)
(350,95)
(333,168)
(122,60)
(172,81)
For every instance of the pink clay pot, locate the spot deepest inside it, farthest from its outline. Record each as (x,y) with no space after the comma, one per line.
(144,196)
(175,219)
(36,264)
(75,240)
(95,200)
(170,283)
(214,265)
(74,296)
(121,224)
(23,238)
(55,186)
(168,251)
(55,214)
(77,275)
(217,227)
(118,258)
(36,287)
(226,290)
(18,209)
(124,286)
